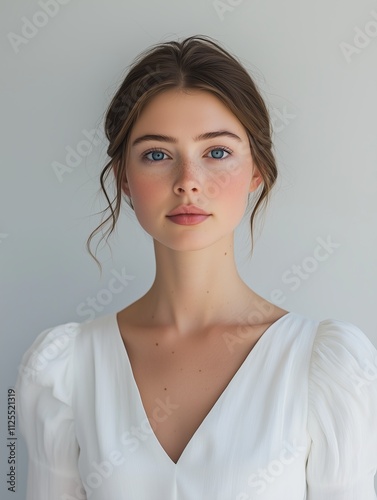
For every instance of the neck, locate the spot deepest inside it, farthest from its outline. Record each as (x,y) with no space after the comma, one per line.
(193,290)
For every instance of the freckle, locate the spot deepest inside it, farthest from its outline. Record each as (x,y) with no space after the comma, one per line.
(225,253)
(207,291)
(164,388)
(200,370)
(156,343)
(172,352)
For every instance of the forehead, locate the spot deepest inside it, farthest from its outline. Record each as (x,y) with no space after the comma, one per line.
(182,109)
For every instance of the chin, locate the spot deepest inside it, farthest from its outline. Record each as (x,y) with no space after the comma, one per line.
(191,242)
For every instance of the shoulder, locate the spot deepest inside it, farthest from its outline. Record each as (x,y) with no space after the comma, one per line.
(49,358)
(52,344)
(342,404)
(343,369)
(335,328)
(46,363)
(341,346)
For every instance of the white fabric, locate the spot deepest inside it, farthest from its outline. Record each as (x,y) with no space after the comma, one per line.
(297,421)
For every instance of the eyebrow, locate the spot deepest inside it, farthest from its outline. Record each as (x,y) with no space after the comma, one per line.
(201,137)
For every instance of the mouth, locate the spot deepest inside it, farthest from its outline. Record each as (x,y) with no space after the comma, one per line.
(187,210)
(188,219)
(175,215)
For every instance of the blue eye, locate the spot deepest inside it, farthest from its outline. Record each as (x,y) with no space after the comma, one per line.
(157,155)
(219,153)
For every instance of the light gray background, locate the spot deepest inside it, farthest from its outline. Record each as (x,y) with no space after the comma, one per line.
(59,83)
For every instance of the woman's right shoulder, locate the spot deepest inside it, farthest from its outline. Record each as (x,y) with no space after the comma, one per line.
(48,354)
(51,351)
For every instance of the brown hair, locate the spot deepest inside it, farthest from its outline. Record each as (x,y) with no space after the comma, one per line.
(197,62)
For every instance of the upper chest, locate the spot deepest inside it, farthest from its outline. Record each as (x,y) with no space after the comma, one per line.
(180,382)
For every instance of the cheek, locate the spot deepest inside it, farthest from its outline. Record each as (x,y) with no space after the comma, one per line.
(233,189)
(239,196)
(147,198)
(144,189)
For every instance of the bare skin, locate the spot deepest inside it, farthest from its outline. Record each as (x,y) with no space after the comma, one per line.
(176,334)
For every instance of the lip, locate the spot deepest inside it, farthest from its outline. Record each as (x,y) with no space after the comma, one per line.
(187,210)
(188,219)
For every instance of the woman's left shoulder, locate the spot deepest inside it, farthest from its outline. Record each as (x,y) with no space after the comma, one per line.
(342,409)
(343,345)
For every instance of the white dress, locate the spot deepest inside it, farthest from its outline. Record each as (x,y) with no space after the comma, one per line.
(297,421)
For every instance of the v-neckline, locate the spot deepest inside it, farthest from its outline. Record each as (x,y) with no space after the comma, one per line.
(123,354)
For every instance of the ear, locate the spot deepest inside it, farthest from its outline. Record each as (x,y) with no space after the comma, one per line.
(256,180)
(125,185)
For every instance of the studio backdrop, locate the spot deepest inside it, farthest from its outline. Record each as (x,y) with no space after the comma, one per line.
(315,248)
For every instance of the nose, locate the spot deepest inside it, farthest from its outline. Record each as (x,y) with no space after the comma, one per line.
(187,178)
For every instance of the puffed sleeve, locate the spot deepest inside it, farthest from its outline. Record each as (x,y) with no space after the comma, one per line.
(342,414)
(45,418)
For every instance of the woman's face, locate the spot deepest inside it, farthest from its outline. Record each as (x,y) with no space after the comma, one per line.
(214,173)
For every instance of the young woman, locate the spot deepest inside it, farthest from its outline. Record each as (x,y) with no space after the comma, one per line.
(201,388)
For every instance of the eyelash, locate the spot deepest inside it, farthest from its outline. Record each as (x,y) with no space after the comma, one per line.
(223,148)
